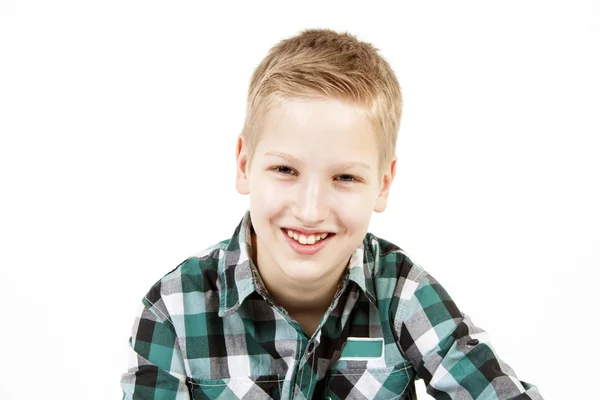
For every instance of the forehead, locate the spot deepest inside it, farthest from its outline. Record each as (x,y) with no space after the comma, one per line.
(318,129)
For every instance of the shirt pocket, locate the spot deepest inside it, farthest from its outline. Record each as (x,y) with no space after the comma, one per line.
(371,383)
(251,387)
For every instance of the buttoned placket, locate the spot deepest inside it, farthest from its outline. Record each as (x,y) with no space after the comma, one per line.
(305,363)
(306,348)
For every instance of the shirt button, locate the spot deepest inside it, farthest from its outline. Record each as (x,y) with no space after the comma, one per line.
(473,342)
(311,346)
(327,398)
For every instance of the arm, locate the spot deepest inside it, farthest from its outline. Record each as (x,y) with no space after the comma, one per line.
(453,356)
(156,368)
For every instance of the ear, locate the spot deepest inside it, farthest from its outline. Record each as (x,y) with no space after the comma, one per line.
(388,178)
(241,157)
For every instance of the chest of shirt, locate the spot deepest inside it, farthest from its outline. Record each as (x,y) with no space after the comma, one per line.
(260,352)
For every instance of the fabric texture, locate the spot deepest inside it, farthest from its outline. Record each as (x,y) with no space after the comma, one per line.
(210,330)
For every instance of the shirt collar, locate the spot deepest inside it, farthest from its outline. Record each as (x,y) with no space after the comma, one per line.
(361,266)
(239,276)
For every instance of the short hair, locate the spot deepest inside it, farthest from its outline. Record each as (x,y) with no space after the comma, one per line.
(321,63)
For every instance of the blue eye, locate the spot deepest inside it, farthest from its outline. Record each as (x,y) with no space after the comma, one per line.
(282,169)
(347,178)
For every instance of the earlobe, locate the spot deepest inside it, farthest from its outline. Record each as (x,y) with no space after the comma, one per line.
(241,156)
(388,178)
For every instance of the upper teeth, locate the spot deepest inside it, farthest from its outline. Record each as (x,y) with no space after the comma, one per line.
(310,239)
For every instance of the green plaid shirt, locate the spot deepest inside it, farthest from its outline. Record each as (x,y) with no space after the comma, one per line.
(210,330)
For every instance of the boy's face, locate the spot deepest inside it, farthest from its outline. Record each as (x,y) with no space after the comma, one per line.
(315,171)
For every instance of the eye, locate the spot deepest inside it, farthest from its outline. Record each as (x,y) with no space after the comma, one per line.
(347,178)
(284,170)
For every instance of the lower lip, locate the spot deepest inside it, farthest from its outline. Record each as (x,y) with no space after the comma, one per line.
(306,249)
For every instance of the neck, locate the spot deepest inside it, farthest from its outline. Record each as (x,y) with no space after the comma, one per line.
(299,298)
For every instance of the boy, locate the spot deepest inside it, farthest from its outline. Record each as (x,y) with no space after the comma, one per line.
(301,302)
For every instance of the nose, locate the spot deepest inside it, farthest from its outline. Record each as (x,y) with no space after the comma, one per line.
(310,202)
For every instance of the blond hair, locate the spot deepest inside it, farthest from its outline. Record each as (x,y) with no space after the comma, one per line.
(324,63)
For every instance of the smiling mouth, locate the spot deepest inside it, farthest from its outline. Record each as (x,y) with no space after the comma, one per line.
(306,239)
(306,245)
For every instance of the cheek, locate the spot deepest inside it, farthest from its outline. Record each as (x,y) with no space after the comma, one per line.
(355,210)
(359,201)
(358,222)
(266,196)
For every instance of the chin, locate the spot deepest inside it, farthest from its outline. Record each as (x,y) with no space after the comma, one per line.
(306,273)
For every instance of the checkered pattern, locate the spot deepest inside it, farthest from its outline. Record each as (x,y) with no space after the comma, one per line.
(210,330)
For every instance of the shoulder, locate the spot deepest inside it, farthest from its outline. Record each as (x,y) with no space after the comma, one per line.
(391,261)
(395,273)
(405,286)
(194,277)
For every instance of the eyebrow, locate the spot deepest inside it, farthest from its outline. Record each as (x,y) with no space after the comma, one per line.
(290,158)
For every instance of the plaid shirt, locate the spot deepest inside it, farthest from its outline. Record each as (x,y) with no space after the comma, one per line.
(210,330)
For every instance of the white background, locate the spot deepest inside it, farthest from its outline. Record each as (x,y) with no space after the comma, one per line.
(118,122)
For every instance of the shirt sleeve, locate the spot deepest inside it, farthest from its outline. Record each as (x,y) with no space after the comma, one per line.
(453,356)
(156,369)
